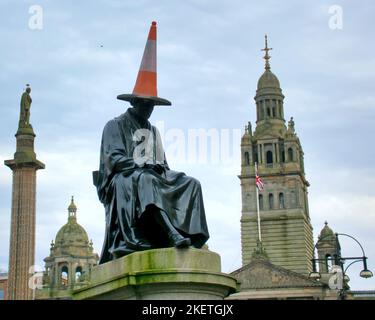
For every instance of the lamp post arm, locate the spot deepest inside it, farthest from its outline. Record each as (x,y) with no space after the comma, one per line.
(351,264)
(344,234)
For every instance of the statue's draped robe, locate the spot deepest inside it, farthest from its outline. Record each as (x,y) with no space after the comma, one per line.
(25,108)
(126,190)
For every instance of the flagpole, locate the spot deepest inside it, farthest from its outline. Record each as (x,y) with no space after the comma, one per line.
(257,195)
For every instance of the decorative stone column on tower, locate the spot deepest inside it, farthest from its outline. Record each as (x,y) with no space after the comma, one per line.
(22,233)
(284,212)
(328,249)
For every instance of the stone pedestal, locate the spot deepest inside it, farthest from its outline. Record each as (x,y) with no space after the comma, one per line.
(160,274)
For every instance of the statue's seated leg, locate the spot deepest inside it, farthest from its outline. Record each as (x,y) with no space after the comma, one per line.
(161,219)
(127,233)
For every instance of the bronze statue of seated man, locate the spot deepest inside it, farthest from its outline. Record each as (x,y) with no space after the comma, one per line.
(147,205)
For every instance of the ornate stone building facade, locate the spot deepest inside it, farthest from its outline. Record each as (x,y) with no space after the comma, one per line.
(71,259)
(284,210)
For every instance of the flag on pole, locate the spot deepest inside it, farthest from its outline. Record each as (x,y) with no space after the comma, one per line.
(258,180)
(259,183)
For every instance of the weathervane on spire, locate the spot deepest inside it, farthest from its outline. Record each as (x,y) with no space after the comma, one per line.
(266,56)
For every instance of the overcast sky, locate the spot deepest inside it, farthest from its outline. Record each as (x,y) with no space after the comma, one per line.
(209,61)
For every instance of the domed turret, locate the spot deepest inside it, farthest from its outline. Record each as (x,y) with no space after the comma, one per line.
(72,238)
(328,248)
(71,257)
(72,209)
(269,97)
(326,234)
(268,81)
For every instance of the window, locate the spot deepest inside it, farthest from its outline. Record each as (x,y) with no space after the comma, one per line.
(260,202)
(247,159)
(293,199)
(275,108)
(268,112)
(78,273)
(64,276)
(281,201)
(290,154)
(261,112)
(256,157)
(270,198)
(269,157)
(328,262)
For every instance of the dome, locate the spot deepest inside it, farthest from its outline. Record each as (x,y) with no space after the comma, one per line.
(268,80)
(71,233)
(72,238)
(326,233)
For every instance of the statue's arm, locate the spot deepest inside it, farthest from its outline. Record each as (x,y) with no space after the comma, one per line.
(116,157)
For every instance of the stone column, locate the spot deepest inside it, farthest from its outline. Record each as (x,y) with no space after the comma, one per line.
(22,233)
(278,152)
(274,160)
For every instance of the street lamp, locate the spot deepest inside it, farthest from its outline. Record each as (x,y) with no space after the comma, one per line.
(339,261)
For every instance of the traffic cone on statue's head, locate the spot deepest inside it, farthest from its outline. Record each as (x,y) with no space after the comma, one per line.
(146,85)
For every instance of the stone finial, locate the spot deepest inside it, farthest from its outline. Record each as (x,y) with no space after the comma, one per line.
(266,57)
(72,209)
(259,251)
(291,128)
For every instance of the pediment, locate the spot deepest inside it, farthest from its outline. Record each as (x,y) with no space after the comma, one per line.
(260,273)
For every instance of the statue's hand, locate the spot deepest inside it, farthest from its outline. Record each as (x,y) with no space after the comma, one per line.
(158,168)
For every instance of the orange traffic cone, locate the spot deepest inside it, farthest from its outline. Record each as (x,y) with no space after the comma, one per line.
(146,85)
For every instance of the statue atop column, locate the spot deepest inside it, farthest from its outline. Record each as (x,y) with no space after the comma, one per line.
(25,108)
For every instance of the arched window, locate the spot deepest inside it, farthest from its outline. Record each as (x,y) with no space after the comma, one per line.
(261,111)
(64,276)
(328,262)
(269,157)
(78,273)
(270,198)
(281,201)
(293,199)
(247,159)
(260,202)
(290,154)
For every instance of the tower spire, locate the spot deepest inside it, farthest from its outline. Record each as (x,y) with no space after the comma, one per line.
(72,209)
(266,57)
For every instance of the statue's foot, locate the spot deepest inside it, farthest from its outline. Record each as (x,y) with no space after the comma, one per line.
(143,245)
(179,241)
(140,245)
